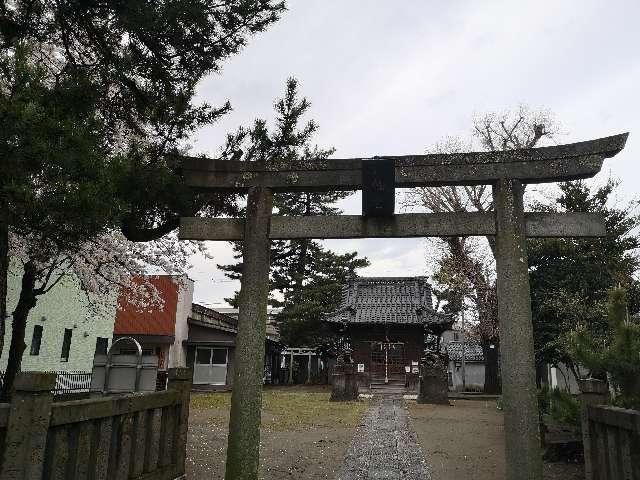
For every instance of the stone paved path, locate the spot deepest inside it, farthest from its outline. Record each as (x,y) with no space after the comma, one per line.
(384,446)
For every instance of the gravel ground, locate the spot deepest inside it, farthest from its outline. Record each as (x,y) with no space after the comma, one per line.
(384,447)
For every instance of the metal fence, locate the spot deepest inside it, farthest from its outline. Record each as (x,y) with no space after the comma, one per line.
(67,382)
(72,382)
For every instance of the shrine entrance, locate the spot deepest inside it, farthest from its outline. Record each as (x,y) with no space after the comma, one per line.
(387,361)
(506,171)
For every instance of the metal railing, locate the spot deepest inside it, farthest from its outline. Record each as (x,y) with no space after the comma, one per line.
(72,382)
(67,382)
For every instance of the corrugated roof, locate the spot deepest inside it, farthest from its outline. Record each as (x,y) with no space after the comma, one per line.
(151,321)
(404,300)
(472,352)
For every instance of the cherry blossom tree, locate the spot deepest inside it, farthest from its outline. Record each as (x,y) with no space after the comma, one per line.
(101,264)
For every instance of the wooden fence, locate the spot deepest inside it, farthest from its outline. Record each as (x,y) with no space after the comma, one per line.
(612,443)
(134,436)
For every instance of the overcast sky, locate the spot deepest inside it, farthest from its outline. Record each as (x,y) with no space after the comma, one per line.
(395,77)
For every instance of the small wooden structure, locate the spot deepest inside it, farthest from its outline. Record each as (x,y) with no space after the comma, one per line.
(506,171)
(310,356)
(384,320)
(125,437)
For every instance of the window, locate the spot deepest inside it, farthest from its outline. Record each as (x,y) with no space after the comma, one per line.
(219,356)
(211,356)
(36,340)
(66,345)
(203,356)
(456,336)
(102,344)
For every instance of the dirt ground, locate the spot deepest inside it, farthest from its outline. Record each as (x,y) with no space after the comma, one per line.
(466,441)
(304,436)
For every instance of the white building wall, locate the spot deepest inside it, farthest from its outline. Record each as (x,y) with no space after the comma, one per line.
(562,378)
(177,351)
(474,375)
(64,306)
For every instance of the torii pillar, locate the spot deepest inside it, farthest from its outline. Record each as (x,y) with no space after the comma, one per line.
(521,423)
(505,171)
(243,448)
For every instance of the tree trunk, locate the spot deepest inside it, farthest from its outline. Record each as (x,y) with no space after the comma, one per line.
(4,272)
(18,326)
(491,377)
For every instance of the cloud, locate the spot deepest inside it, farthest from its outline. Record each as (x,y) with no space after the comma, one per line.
(389,78)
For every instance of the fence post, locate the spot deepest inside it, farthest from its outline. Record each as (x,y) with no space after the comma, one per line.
(592,392)
(180,380)
(26,436)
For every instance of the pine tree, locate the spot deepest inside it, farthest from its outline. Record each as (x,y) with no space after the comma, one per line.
(306,278)
(570,278)
(616,351)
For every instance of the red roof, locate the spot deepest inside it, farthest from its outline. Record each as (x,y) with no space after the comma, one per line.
(153,320)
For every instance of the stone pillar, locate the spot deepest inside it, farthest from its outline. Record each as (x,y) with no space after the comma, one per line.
(291,368)
(26,435)
(243,450)
(345,383)
(592,392)
(522,435)
(433,386)
(180,381)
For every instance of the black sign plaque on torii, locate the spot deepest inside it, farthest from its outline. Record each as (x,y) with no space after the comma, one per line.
(378,187)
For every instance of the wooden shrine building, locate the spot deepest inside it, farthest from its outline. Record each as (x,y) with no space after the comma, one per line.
(384,321)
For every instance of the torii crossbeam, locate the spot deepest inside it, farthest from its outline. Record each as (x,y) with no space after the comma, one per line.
(506,171)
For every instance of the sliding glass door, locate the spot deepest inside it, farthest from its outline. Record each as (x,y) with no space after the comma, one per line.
(210,366)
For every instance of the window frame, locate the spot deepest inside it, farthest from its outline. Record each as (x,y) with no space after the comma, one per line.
(36,342)
(99,343)
(66,345)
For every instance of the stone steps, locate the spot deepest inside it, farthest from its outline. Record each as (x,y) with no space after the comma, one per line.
(395,384)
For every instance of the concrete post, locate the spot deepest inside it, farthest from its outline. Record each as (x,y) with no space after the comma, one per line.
(243,450)
(180,381)
(291,368)
(522,436)
(26,435)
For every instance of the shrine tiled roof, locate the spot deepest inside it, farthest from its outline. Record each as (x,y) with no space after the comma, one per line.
(405,300)
(472,352)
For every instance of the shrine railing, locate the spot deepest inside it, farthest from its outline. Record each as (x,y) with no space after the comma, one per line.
(132,436)
(614,436)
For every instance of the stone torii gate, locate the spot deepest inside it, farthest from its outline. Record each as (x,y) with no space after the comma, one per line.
(506,171)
